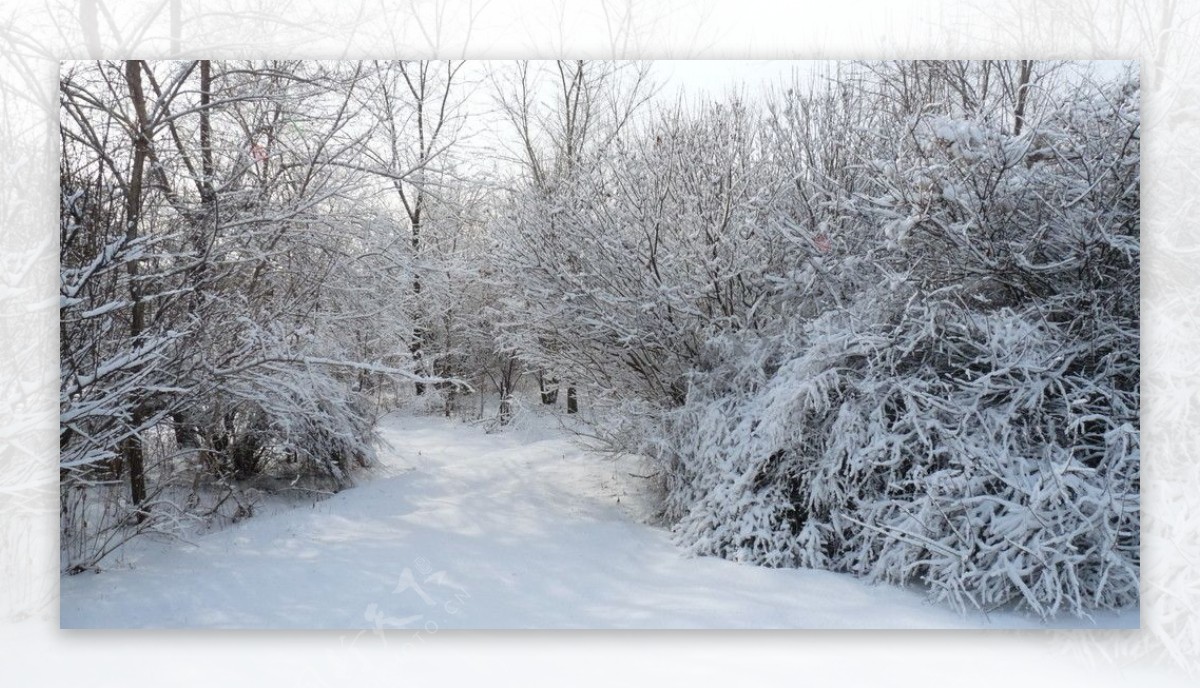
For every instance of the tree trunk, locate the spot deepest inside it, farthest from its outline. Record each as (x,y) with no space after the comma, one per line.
(548,388)
(1022,96)
(131,448)
(187,435)
(418,334)
(572,401)
(134,457)
(415,348)
(207,193)
(482,399)
(505,405)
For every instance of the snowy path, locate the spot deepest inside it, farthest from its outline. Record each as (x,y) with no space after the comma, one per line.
(518,529)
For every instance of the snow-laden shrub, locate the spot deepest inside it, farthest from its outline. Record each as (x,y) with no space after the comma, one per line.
(991,456)
(950,395)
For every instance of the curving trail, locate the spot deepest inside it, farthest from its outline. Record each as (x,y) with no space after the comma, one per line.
(465,529)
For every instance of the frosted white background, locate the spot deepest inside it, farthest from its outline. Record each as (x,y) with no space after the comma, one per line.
(1162,34)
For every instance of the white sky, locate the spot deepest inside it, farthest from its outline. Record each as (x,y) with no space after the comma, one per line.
(486,133)
(716,78)
(686,79)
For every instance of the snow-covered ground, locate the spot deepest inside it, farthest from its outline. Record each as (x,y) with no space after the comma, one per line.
(464,529)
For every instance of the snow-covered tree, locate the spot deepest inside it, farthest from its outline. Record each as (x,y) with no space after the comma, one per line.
(566,116)
(223,284)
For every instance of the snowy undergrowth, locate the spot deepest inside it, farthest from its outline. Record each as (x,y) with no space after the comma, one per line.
(980,462)
(98,532)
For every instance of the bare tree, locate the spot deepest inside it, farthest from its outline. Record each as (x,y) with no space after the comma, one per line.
(420,112)
(590,103)
(229,295)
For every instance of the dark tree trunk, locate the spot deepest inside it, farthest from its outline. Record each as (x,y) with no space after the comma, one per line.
(505,405)
(246,450)
(187,434)
(134,458)
(132,451)
(572,401)
(418,334)
(1022,96)
(245,458)
(415,348)
(207,192)
(548,388)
